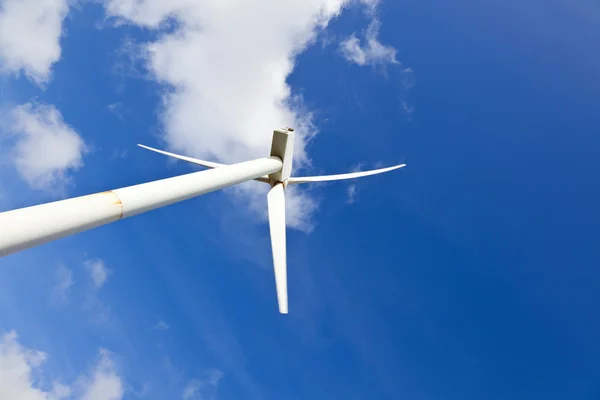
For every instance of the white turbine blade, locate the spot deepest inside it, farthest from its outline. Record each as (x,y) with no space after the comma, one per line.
(351,175)
(208,164)
(276,201)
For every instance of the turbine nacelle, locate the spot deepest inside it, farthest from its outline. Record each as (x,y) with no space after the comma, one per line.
(282,147)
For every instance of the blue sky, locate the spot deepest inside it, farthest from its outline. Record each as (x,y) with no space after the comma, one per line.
(470,274)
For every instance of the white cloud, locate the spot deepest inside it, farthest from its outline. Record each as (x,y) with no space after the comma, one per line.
(46,149)
(224,67)
(161,326)
(20,366)
(104,382)
(59,391)
(17,367)
(228,91)
(371,51)
(64,278)
(203,389)
(370,5)
(299,207)
(30,32)
(98,272)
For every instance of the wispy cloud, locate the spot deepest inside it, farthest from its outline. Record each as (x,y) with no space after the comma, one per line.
(117,109)
(64,282)
(161,326)
(370,6)
(351,193)
(30,32)
(368,51)
(407,108)
(42,147)
(95,308)
(352,190)
(212,329)
(87,294)
(119,154)
(98,272)
(203,389)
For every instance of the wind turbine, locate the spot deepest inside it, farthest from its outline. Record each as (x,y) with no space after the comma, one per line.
(282,146)
(32,226)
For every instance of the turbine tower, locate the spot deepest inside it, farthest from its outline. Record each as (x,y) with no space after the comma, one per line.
(32,226)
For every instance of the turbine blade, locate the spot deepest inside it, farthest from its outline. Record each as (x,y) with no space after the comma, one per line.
(276,201)
(351,175)
(208,164)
